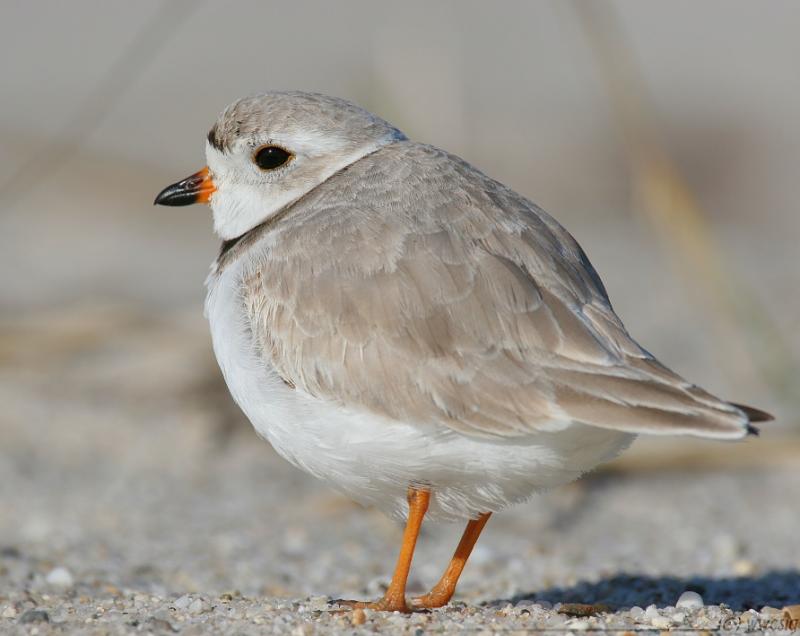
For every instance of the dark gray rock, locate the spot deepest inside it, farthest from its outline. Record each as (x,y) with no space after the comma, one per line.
(35,616)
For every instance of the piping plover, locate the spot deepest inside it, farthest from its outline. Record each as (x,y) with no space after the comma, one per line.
(409,330)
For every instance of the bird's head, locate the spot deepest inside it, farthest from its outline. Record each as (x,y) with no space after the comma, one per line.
(267,151)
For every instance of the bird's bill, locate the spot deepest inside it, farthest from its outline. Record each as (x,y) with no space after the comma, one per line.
(196,188)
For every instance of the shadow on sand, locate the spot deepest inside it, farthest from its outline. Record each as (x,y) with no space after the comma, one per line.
(775,588)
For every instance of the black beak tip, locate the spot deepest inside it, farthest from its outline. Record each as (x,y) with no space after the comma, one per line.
(176,194)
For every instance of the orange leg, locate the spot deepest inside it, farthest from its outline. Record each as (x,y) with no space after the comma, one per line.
(394,600)
(442,592)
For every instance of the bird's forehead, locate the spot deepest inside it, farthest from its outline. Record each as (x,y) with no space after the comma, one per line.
(294,114)
(247,118)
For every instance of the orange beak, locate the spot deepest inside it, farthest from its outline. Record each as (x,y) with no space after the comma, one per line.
(197,188)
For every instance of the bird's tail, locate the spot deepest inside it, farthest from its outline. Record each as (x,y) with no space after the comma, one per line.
(755,415)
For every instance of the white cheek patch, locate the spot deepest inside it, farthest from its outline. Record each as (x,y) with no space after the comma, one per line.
(235,206)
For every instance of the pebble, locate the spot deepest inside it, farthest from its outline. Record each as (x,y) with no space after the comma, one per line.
(318,603)
(160,624)
(651,612)
(792,612)
(10,612)
(35,616)
(183,602)
(690,600)
(60,577)
(661,622)
(358,617)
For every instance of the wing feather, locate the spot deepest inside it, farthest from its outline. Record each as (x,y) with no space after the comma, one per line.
(414,286)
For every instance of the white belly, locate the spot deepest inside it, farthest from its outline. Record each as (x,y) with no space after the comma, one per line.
(373,459)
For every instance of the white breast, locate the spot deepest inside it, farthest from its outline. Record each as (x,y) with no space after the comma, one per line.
(373,459)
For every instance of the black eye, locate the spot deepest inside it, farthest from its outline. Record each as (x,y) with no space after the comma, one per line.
(270,157)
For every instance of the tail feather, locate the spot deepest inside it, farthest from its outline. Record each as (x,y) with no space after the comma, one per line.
(754,415)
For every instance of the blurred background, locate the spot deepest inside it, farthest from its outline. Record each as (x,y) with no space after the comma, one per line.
(664,136)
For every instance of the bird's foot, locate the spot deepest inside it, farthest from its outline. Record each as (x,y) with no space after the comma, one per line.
(385,604)
(431,600)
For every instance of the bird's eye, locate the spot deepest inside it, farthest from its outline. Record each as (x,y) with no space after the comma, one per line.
(271,157)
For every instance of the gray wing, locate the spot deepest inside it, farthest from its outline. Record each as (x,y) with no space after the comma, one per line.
(415,287)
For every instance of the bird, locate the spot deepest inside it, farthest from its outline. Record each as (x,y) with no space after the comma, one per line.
(412,332)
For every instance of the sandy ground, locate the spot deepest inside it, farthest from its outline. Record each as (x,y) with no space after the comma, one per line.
(133,496)
(133,499)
